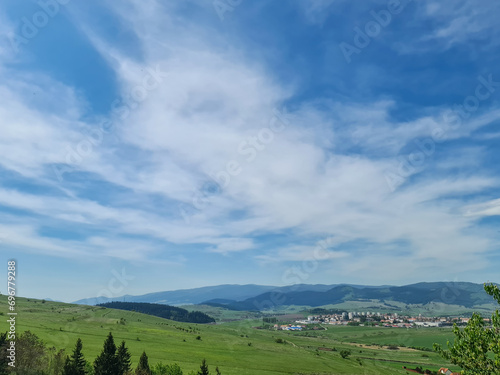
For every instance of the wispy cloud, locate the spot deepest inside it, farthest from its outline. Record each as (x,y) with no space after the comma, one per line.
(323,176)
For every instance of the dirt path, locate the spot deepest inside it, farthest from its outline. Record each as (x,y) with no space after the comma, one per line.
(364,346)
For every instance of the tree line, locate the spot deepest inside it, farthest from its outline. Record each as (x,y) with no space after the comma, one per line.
(163,311)
(34,358)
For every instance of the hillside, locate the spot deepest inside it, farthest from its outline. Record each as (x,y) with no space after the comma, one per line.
(162,311)
(259,297)
(237,348)
(464,294)
(198,295)
(187,296)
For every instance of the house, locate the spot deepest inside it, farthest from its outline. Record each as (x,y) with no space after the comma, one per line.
(446,371)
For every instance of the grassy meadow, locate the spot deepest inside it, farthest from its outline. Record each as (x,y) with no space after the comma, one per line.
(236,347)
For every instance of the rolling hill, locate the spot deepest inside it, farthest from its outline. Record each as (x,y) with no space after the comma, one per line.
(162,311)
(237,348)
(261,297)
(198,295)
(459,293)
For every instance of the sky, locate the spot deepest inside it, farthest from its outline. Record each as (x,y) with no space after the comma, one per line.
(159,145)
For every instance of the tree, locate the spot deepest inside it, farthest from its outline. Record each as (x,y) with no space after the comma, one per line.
(345,353)
(68,367)
(476,348)
(203,368)
(76,364)
(143,366)
(174,369)
(161,369)
(4,362)
(31,354)
(107,362)
(57,361)
(123,356)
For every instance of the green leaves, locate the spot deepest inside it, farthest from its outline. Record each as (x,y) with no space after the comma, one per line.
(476,348)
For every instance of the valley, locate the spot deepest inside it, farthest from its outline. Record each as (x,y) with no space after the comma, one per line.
(236,347)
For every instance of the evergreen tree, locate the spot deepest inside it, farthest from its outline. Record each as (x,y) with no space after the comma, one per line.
(123,358)
(203,368)
(77,360)
(69,368)
(107,362)
(143,366)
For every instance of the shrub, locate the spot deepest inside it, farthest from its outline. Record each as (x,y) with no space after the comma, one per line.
(345,353)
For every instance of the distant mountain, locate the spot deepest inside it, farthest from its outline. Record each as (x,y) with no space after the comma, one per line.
(457,293)
(262,297)
(198,295)
(188,296)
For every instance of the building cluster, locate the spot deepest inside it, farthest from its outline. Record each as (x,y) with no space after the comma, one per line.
(289,327)
(381,319)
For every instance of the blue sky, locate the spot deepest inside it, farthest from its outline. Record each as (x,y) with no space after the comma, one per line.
(153,145)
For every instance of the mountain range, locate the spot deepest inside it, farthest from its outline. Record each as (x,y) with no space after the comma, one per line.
(262,297)
(230,292)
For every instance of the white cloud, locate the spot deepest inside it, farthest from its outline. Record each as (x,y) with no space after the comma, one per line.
(301,253)
(490,208)
(233,245)
(306,180)
(462,21)
(316,11)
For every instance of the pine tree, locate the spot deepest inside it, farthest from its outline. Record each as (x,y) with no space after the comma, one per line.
(123,358)
(77,359)
(69,368)
(143,366)
(107,362)
(203,368)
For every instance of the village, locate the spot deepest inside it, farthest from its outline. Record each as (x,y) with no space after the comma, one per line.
(393,320)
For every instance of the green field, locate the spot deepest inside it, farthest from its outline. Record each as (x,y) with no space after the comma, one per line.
(413,337)
(227,345)
(222,314)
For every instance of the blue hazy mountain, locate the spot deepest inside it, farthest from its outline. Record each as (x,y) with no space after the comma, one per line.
(456,293)
(228,292)
(260,297)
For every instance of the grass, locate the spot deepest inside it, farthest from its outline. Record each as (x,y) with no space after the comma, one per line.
(221,314)
(227,345)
